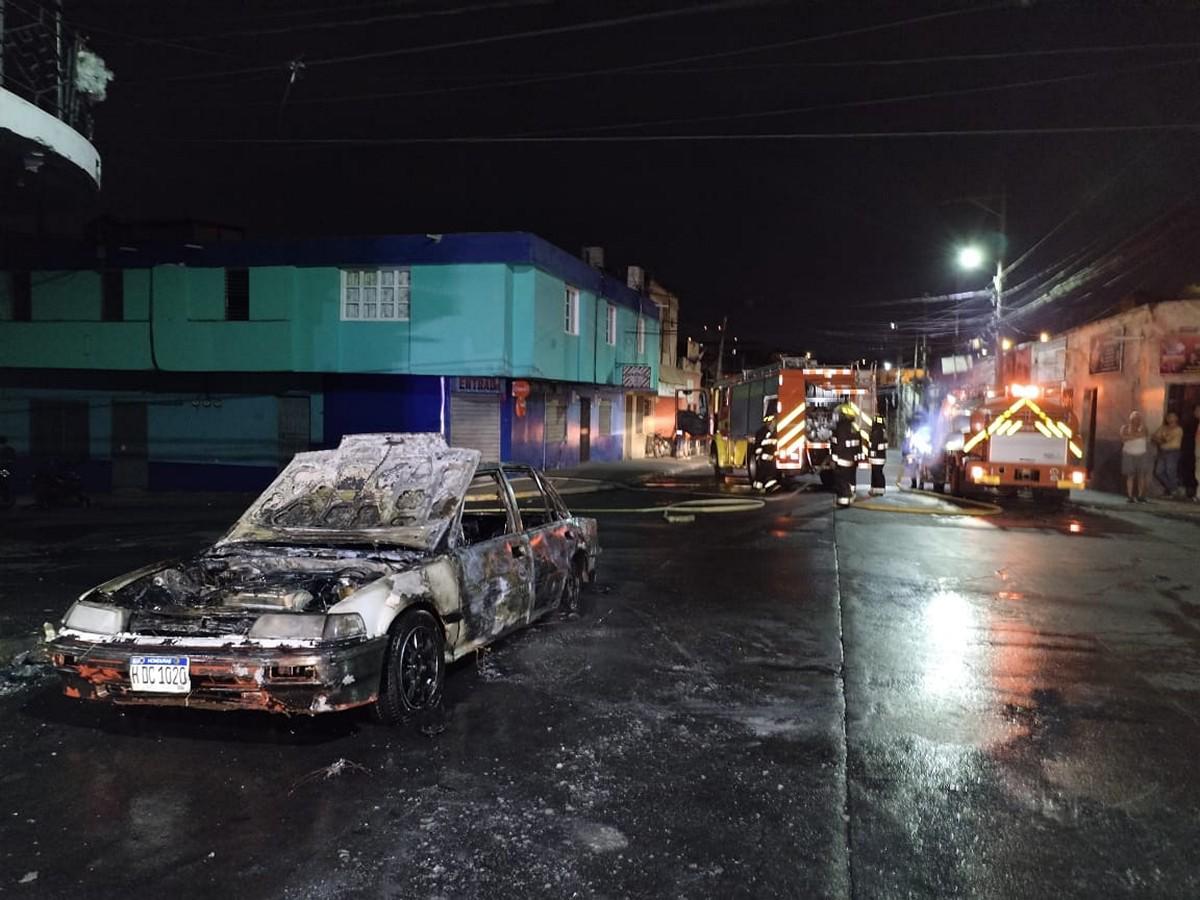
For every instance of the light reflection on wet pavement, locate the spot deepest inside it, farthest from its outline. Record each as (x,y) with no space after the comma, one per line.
(1013,735)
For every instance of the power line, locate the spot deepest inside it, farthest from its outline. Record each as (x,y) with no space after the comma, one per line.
(487,39)
(654,68)
(740,51)
(706,138)
(369,20)
(942,58)
(882,101)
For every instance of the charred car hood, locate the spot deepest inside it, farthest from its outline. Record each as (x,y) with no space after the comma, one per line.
(250,580)
(381,489)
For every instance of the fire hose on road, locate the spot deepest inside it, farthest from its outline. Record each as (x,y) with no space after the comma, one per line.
(962,506)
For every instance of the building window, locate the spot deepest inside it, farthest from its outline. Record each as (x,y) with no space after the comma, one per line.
(112,296)
(237,295)
(641,336)
(556,421)
(22,297)
(610,332)
(571,310)
(375,295)
(605,412)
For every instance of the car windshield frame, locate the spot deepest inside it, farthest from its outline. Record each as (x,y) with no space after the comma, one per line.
(365,470)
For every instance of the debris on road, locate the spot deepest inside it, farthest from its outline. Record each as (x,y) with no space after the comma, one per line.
(333,770)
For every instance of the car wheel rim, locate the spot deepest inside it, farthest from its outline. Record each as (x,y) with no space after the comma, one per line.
(419,667)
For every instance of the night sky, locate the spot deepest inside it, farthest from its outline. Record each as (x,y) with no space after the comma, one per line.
(801,241)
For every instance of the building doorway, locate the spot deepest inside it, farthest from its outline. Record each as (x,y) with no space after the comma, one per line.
(585,429)
(129,447)
(475,423)
(58,433)
(1088,424)
(1182,399)
(295,422)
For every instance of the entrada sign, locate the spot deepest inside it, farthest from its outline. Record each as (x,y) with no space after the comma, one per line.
(476,384)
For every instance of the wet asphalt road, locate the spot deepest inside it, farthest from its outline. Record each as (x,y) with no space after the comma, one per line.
(786,702)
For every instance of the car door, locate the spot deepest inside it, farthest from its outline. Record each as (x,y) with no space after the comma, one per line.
(552,540)
(495,560)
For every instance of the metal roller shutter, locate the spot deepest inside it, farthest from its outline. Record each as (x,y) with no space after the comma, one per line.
(475,423)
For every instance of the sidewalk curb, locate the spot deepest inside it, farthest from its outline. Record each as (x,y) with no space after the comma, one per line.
(1169,509)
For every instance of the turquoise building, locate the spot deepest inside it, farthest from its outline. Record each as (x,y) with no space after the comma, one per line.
(169,366)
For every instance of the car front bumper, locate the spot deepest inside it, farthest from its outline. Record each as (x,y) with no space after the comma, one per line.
(296,681)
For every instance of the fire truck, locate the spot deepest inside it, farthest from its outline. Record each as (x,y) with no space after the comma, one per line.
(1024,438)
(804,398)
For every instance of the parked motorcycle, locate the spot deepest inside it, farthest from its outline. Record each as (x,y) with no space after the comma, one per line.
(58,487)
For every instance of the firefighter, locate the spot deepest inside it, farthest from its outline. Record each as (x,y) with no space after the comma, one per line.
(846,447)
(878,455)
(766,475)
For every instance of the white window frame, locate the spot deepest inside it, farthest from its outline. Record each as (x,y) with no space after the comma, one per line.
(571,310)
(354,301)
(559,419)
(641,335)
(610,329)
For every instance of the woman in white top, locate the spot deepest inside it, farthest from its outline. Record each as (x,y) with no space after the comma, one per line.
(1134,457)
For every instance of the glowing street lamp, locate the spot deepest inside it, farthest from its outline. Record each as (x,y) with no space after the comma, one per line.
(970,258)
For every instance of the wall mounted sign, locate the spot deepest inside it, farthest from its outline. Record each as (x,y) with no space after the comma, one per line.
(476,384)
(1107,352)
(636,377)
(520,391)
(1179,353)
(1050,361)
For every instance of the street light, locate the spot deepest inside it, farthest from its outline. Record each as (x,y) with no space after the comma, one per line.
(970,258)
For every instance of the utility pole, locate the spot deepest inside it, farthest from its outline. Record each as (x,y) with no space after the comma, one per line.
(721,347)
(998,289)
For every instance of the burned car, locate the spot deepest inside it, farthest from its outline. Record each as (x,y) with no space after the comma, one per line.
(351,581)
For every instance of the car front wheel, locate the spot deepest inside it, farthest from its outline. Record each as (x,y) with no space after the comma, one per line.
(414,668)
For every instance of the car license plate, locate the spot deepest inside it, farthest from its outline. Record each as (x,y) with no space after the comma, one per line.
(160,674)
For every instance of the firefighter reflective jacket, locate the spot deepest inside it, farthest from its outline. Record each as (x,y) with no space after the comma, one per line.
(845,443)
(879,442)
(764,443)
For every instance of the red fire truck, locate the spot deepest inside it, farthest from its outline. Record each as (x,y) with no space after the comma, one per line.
(804,398)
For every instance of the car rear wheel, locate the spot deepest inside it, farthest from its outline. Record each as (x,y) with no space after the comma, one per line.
(414,668)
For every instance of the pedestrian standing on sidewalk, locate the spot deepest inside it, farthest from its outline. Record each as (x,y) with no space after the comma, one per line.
(1169,438)
(1134,450)
(878,455)
(1195,433)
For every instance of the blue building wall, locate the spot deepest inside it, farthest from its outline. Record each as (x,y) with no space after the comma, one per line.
(487,305)
(382,403)
(529,444)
